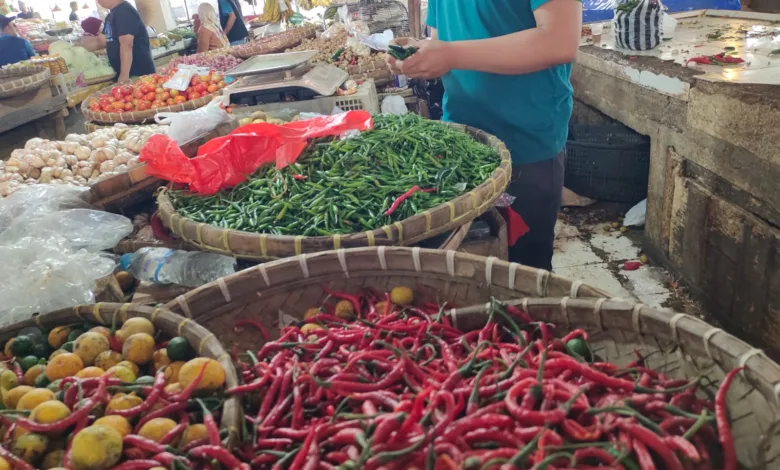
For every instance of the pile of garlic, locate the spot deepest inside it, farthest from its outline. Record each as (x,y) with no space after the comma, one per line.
(80,159)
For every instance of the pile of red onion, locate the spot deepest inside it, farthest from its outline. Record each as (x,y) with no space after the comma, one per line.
(220,63)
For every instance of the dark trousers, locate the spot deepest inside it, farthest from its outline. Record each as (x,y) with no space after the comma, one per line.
(537,187)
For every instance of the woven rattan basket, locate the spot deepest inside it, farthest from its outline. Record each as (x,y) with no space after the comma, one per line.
(410,231)
(202,341)
(273,44)
(685,346)
(138,117)
(101,79)
(14,81)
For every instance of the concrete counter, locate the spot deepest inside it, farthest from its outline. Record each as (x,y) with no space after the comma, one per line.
(714,191)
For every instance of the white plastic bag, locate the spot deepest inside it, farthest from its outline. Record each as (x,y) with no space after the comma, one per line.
(636,216)
(394,104)
(189,125)
(378,41)
(183,76)
(50,242)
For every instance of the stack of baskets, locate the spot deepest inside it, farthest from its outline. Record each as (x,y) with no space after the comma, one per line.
(14,81)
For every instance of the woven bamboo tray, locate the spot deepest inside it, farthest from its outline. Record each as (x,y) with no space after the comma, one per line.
(204,343)
(124,189)
(139,117)
(440,219)
(687,345)
(131,246)
(273,44)
(101,79)
(19,80)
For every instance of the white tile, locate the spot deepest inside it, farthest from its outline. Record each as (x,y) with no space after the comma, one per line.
(596,275)
(573,252)
(654,300)
(647,280)
(617,246)
(564,230)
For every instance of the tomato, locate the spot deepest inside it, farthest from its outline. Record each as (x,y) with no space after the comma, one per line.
(212,88)
(159,90)
(144,105)
(180,99)
(144,89)
(129,107)
(165,96)
(157,104)
(127,90)
(170,101)
(118,97)
(117,90)
(188,90)
(118,105)
(195,81)
(108,109)
(200,88)
(193,96)
(216,78)
(128,99)
(138,94)
(222,84)
(104,102)
(173,93)
(157,77)
(96,107)
(150,96)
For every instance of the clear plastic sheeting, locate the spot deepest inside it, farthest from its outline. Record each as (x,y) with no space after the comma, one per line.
(50,247)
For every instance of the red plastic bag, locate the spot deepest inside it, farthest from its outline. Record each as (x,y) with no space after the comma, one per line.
(227,161)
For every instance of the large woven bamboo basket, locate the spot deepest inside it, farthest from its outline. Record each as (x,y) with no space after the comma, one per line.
(678,344)
(440,219)
(14,81)
(124,189)
(100,79)
(203,342)
(275,43)
(138,117)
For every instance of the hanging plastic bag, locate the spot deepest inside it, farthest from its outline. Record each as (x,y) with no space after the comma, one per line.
(638,27)
(187,126)
(227,161)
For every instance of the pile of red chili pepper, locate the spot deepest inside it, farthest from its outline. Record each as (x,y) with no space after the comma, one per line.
(399,387)
(723,58)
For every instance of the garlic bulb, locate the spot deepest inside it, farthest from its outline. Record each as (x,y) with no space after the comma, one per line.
(107,166)
(34,143)
(83,153)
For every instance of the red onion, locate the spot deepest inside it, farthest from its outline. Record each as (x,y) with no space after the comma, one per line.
(219,63)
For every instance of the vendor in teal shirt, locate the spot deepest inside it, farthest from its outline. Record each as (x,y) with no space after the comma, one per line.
(505,66)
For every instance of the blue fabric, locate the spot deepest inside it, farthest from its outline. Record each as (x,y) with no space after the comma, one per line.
(225,7)
(529,113)
(14,49)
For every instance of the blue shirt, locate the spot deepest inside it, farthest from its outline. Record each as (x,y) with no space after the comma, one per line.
(529,113)
(14,49)
(225,7)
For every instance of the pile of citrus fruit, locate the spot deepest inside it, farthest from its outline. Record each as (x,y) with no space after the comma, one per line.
(88,397)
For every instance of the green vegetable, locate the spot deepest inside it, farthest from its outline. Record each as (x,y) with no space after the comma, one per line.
(346,186)
(68,346)
(73,336)
(22,346)
(27,362)
(42,381)
(400,52)
(179,349)
(579,348)
(42,350)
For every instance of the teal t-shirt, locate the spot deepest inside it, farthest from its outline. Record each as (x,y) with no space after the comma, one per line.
(530,113)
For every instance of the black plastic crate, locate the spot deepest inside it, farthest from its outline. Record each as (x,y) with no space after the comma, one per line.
(608,163)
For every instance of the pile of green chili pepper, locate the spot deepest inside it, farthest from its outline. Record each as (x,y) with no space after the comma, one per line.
(400,52)
(350,185)
(377,381)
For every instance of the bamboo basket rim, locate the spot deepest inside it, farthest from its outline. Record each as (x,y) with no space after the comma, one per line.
(275,43)
(617,326)
(203,342)
(409,231)
(99,79)
(138,117)
(21,79)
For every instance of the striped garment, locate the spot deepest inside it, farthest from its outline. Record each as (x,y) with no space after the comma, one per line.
(639,29)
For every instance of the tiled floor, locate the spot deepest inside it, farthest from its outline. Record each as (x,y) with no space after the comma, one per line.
(753,36)
(596,256)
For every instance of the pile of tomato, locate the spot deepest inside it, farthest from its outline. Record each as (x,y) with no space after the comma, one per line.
(149,93)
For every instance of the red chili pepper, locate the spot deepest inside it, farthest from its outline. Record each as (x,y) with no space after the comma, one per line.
(138,464)
(354,299)
(168,410)
(404,197)
(16,462)
(654,442)
(253,323)
(189,389)
(221,455)
(722,417)
(298,177)
(703,60)
(151,399)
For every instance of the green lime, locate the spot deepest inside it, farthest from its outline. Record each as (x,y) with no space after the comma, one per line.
(42,381)
(179,349)
(145,380)
(579,348)
(42,350)
(22,346)
(75,333)
(8,380)
(54,386)
(68,346)
(28,361)
(35,334)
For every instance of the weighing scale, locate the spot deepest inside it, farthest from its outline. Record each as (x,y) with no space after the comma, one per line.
(275,78)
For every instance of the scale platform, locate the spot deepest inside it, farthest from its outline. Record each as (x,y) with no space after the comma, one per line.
(274,78)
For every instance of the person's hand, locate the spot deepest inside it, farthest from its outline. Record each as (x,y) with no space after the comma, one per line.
(432,60)
(392,63)
(121,80)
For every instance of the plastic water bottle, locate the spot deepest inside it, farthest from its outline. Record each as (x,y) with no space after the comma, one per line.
(166,266)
